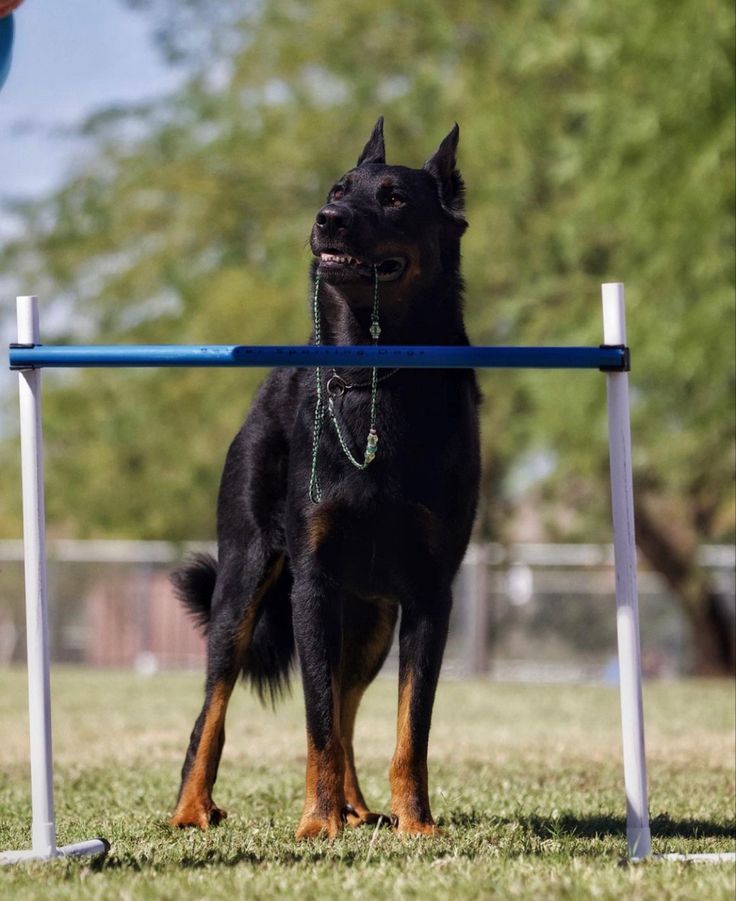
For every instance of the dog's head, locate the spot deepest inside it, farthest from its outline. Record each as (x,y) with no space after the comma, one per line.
(403,223)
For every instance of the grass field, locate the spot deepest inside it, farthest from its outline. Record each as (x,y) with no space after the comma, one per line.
(526,781)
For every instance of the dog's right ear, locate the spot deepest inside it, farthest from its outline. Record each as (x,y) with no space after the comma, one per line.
(375,150)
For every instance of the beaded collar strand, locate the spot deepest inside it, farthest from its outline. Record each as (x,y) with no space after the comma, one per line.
(336,387)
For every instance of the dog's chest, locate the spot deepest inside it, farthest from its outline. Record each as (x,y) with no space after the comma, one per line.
(405,518)
(421,422)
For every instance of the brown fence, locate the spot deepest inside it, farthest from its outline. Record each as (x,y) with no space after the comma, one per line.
(529,611)
(137,622)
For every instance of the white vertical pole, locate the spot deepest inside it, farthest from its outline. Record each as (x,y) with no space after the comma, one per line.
(475,610)
(34,536)
(479,601)
(627,606)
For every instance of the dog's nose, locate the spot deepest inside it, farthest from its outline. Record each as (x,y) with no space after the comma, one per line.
(334,218)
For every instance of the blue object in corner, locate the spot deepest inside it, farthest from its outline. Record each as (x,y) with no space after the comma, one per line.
(7,30)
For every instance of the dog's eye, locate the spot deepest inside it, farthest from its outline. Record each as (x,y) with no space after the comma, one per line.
(395,200)
(338,193)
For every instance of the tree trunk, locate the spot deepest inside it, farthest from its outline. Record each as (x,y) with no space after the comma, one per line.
(673,554)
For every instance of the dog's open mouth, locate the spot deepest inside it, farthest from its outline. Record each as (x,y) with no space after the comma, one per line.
(389,269)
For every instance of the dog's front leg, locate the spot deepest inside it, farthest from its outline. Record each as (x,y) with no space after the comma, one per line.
(421,646)
(318,633)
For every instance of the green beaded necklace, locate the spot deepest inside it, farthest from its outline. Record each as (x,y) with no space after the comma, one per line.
(315,492)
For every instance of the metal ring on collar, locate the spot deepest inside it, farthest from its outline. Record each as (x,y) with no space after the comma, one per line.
(337,386)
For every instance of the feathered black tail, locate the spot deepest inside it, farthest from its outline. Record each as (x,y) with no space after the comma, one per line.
(268,660)
(194,585)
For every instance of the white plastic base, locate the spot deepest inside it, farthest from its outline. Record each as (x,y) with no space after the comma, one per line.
(725,857)
(93,846)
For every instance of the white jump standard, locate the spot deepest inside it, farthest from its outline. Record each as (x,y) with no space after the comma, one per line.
(43,834)
(638,836)
(28,356)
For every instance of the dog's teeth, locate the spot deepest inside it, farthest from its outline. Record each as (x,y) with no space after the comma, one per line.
(340,258)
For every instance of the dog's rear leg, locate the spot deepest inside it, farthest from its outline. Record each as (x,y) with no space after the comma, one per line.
(422,642)
(229,634)
(368,629)
(195,806)
(317,628)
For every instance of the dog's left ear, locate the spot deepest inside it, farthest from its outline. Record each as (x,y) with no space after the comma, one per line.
(375,150)
(451,188)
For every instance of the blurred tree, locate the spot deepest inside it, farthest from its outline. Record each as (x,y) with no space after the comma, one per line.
(597,144)
(642,180)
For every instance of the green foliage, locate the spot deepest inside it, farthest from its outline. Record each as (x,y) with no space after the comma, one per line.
(597,144)
(526,782)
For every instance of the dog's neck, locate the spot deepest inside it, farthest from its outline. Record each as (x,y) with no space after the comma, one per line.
(432,316)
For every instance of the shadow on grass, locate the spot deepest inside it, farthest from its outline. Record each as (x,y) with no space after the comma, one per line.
(130,862)
(570,825)
(202,855)
(215,858)
(564,826)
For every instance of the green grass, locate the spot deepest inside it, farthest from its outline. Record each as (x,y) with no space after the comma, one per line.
(526,781)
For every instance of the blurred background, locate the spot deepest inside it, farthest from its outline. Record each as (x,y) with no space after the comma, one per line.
(160,166)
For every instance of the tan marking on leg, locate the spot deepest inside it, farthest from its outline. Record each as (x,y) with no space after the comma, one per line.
(369,653)
(408,775)
(319,525)
(325,796)
(244,631)
(353,795)
(195,807)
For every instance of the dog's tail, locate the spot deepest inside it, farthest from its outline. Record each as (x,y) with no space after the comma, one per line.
(194,585)
(268,661)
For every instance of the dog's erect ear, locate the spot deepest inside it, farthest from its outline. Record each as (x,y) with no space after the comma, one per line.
(375,150)
(442,167)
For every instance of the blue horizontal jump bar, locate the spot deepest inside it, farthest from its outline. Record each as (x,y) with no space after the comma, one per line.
(452,357)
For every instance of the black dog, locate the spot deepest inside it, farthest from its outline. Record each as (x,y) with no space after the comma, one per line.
(330,576)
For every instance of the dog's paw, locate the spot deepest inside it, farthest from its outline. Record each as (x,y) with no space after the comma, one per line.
(409,826)
(361,816)
(312,826)
(201,815)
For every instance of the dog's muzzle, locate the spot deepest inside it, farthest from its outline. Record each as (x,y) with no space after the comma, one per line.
(331,244)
